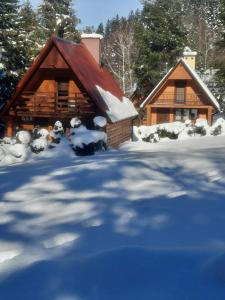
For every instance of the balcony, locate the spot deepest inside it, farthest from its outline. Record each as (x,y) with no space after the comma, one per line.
(179,99)
(52,103)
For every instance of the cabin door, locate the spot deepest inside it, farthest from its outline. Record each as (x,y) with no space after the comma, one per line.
(163,115)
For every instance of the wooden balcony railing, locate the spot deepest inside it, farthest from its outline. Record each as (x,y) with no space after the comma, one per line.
(53,103)
(179,99)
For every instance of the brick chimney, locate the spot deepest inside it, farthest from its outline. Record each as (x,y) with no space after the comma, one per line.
(93,42)
(190,57)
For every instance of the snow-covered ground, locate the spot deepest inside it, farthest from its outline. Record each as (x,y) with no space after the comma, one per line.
(145,222)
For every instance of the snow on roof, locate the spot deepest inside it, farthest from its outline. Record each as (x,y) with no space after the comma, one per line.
(195,76)
(202,84)
(117,110)
(91,36)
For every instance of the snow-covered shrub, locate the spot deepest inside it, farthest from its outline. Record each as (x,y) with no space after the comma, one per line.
(99,122)
(170,130)
(86,142)
(13,153)
(152,138)
(23,137)
(218,127)
(75,122)
(200,127)
(39,145)
(57,132)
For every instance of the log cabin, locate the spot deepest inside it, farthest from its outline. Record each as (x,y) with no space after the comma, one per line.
(180,95)
(67,80)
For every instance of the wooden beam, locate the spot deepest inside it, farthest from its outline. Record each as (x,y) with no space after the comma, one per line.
(9,127)
(149,117)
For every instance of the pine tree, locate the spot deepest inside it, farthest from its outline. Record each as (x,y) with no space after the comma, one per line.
(12,56)
(161,39)
(57,17)
(100,29)
(28,35)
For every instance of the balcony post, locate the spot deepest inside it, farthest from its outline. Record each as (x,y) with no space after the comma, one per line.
(149,117)
(209,117)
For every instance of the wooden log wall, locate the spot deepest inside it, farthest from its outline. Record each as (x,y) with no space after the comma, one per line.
(119,132)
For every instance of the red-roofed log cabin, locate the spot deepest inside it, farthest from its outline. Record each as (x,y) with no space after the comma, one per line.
(66,80)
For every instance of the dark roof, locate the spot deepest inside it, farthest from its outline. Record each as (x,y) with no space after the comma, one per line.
(84,66)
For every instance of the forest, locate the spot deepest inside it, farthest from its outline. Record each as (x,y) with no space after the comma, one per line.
(138,49)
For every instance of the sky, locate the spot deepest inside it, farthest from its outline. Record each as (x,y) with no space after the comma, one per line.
(93,12)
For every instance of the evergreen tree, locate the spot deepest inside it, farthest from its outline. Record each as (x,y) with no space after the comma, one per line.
(100,29)
(12,56)
(28,35)
(57,17)
(160,36)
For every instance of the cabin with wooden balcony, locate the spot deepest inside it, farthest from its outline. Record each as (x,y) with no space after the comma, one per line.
(179,96)
(65,81)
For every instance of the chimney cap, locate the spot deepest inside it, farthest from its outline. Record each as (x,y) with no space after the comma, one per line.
(91,36)
(189,52)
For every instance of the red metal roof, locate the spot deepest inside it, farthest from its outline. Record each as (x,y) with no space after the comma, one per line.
(84,66)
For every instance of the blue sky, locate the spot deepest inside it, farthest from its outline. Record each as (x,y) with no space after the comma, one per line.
(92,12)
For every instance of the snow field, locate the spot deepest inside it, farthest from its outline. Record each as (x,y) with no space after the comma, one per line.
(144,222)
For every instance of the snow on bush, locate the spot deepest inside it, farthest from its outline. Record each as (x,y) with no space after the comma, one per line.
(100,121)
(10,154)
(178,130)
(43,133)
(23,137)
(85,141)
(57,132)
(75,122)
(39,145)
(218,127)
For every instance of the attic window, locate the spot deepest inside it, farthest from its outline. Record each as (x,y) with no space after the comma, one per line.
(180,91)
(63,87)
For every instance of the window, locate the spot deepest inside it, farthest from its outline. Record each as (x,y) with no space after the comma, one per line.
(186,114)
(193,114)
(180,91)
(178,115)
(63,88)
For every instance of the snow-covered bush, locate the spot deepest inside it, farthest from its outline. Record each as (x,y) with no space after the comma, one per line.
(40,140)
(13,153)
(85,141)
(152,138)
(200,127)
(75,122)
(218,127)
(39,145)
(99,122)
(23,137)
(57,132)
